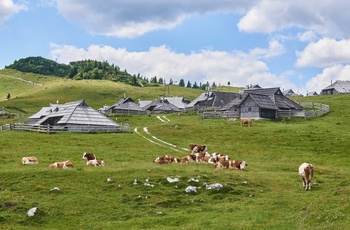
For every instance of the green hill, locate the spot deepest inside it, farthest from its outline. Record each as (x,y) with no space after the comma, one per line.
(30,91)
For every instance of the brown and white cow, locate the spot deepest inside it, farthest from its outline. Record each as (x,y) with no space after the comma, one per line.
(167,159)
(88,156)
(211,159)
(95,162)
(246,121)
(197,148)
(306,171)
(189,158)
(62,164)
(222,157)
(29,160)
(234,164)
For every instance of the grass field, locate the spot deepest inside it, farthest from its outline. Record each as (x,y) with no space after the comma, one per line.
(268,194)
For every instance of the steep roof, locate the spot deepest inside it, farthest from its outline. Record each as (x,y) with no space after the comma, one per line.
(263,101)
(214,99)
(339,86)
(78,113)
(179,102)
(162,105)
(125,104)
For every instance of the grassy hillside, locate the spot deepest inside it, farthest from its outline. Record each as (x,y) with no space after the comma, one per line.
(30,92)
(268,194)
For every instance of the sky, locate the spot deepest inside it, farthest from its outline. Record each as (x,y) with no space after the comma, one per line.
(291,44)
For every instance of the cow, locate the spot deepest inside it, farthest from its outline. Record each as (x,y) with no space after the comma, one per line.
(234,164)
(221,157)
(197,148)
(246,121)
(167,159)
(95,162)
(29,160)
(63,164)
(306,171)
(88,156)
(189,158)
(211,159)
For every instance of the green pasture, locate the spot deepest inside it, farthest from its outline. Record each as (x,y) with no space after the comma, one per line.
(268,194)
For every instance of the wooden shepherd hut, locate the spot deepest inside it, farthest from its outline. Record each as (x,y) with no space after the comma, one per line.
(75,116)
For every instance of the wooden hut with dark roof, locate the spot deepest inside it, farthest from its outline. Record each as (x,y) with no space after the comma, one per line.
(125,106)
(260,103)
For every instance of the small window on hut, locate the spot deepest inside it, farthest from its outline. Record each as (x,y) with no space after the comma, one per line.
(249,109)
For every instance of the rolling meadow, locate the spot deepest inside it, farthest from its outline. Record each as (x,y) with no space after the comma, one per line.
(267,194)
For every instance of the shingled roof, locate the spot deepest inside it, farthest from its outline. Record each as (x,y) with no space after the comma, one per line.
(73,113)
(125,104)
(337,88)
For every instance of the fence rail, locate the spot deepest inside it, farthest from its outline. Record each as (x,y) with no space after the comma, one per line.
(70,128)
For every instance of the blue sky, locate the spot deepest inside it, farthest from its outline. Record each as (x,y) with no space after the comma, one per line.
(291,44)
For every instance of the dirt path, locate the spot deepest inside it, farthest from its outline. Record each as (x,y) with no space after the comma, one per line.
(155,140)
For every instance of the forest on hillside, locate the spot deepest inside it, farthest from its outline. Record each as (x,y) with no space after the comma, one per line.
(96,70)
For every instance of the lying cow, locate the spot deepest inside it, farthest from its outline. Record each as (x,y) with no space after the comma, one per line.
(222,157)
(30,160)
(235,164)
(95,163)
(189,158)
(306,171)
(63,164)
(196,148)
(246,121)
(88,156)
(167,159)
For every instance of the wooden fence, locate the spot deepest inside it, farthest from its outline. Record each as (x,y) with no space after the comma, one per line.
(70,128)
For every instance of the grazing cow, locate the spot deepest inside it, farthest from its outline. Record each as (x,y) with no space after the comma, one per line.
(30,160)
(88,156)
(167,159)
(235,164)
(63,164)
(306,171)
(95,162)
(246,121)
(196,148)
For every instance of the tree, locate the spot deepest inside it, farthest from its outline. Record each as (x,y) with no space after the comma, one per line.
(182,83)
(213,85)
(8,96)
(228,83)
(195,86)
(189,85)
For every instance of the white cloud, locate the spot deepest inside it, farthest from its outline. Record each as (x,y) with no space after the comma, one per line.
(308,36)
(323,17)
(275,49)
(328,75)
(324,53)
(8,8)
(221,67)
(130,18)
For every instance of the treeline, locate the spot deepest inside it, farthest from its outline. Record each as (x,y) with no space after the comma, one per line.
(40,65)
(92,69)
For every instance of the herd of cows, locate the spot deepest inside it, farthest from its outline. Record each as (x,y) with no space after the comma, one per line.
(198,154)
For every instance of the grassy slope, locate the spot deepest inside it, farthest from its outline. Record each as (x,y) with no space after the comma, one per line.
(267,195)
